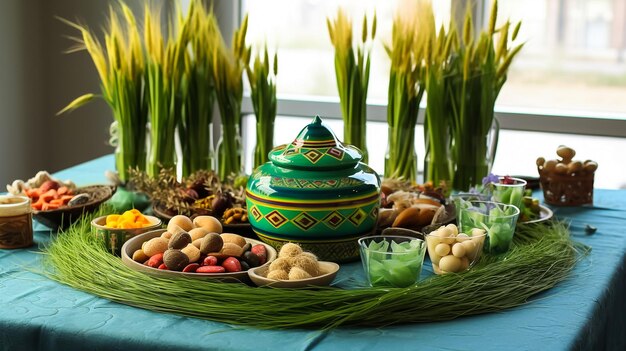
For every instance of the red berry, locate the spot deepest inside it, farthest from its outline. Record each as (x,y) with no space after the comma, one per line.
(507,180)
(210,261)
(232,264)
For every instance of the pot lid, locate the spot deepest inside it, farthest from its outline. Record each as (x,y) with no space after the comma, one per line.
(316,148)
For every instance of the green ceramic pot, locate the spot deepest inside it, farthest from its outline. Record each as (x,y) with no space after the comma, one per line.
(316,192)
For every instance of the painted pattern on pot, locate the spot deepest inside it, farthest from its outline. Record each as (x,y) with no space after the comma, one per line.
(314,191)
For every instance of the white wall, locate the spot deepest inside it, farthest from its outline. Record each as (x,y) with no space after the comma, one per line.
(20,89)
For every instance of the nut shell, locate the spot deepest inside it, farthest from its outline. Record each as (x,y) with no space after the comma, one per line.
(179,240)
(198,233)
(140,256)
(154,246)
(175,260)
(574,166)
(540,161)
(209,223)
(182,221)
(233,238)
(561,168)
(590,166)
(550,165)
(567,153)
(211,242)
(192,252)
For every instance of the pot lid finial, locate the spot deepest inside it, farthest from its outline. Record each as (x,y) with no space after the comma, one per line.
(316,147)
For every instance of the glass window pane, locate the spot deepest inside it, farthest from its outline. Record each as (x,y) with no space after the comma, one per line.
(298,29)
(574,57)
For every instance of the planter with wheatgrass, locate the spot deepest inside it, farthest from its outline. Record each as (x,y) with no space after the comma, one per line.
(121,66)
(352,72)
(465,72)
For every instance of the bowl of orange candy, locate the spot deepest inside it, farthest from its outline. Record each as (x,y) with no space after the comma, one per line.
(116,229)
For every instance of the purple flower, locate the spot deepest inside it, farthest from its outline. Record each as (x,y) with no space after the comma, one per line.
(491,178)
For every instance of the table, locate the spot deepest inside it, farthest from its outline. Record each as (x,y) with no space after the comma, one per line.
(587,311)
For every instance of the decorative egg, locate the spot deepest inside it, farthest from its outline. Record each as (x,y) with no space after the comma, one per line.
(315,192)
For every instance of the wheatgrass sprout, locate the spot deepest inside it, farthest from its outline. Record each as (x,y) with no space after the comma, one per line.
(262,77)
(406,88)
(195,127)
(438,48)
(228,79)
(165,67)
(541,257)
(478,69)
(352,71)
(120,66)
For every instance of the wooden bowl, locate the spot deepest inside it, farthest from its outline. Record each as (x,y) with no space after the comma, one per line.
(135,243)
(329,270)
(63,217)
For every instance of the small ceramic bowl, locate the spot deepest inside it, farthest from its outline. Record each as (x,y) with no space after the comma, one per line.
(329,272)
(114,239)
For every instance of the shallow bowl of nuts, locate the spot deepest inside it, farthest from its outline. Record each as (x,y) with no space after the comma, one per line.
(565,181)
(196,249)
(294,268)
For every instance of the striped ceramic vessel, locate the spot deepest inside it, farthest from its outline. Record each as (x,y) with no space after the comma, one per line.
(316,192)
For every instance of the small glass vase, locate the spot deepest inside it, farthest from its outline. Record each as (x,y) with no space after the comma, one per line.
(129,153)
(438,167)
(401,157)
(229,151)
(473,156)
(161,153)
(195,149)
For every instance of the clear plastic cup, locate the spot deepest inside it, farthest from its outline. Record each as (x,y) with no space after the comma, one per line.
(391,260)
(498,220)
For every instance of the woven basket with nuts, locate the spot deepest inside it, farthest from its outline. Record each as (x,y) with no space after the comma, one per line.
(565,181)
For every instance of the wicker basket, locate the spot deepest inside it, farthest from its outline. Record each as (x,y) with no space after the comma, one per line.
(567,189)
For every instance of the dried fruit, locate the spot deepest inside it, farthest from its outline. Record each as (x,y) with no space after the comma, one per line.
(211,269)
(155,261)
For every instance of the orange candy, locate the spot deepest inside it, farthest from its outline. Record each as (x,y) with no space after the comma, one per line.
(131,219)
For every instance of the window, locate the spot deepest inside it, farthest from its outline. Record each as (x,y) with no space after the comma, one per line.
(298,29)
(569,79)
(574,59)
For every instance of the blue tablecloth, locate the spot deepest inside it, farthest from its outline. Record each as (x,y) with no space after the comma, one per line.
(587,311)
